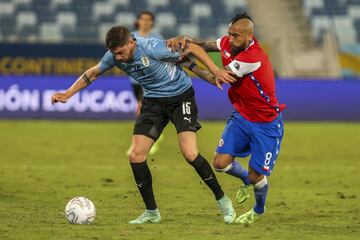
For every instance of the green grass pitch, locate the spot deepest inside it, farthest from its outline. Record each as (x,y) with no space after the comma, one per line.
(314,190)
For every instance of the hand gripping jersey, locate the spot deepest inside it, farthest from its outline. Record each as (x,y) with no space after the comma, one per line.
(253,94)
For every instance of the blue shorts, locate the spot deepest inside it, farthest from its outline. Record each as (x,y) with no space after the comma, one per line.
(262,141)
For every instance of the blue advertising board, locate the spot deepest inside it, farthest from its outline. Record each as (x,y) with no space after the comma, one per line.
(30,73)
(320,100)
(111,97)
(106,98)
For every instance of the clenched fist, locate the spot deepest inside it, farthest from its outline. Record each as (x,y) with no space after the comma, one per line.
(59,97)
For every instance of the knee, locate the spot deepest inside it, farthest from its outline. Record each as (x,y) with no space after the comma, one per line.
(221,166)
(137,156)
(255,177)
(217,164)
(190,155)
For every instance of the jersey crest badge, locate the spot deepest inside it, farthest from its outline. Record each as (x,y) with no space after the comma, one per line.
(237,66)
(145,61)
(221,142)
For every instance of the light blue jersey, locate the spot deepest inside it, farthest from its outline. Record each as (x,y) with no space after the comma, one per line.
(154,67)
(150,35)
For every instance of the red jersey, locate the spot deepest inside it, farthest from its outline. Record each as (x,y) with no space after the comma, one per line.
(253,94)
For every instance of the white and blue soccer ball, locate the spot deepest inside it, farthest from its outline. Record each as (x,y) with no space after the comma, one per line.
(80,210)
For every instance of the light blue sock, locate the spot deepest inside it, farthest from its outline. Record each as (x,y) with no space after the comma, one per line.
(260,193)
(238,171)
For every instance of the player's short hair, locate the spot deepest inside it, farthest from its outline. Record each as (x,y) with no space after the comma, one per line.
(144,13)
(117,36)
(239,17)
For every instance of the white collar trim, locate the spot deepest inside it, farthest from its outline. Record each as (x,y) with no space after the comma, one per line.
(252,43)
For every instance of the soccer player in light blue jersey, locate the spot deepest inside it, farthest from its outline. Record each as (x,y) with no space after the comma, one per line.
(168,96)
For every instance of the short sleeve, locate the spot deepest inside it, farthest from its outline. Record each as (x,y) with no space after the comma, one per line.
(158,49)
(221,41)
(107,62)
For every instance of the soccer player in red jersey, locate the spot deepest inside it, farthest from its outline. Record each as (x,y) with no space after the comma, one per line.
(255,127)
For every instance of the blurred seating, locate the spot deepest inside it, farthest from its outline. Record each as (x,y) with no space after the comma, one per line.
(88,20)
(342,18)
(339,16)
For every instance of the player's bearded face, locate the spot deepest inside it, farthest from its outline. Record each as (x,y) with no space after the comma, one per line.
(124,53)
(239,41)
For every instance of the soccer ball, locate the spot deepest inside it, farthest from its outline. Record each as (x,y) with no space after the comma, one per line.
(80,210)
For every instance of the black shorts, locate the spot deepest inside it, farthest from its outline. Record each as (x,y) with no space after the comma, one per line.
(155,114)
(138,92)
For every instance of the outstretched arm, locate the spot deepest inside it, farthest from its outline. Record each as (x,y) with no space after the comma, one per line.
(179,43)
(83,81)
(221,75)
(208,46)
(203,73)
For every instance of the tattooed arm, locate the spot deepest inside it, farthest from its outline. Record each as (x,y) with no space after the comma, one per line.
(180,42)
(83,81)
(209,46)
(203,73)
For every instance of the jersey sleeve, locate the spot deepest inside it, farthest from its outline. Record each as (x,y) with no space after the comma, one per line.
(107,62)
(219,41)
(244,64)
(158,50)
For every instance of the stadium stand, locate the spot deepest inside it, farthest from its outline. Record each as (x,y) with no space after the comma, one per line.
(87,20)
(342,18)
(308,26)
